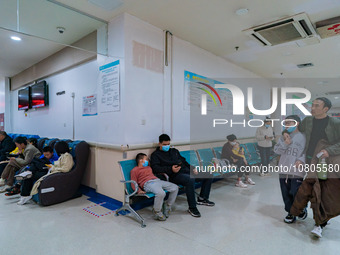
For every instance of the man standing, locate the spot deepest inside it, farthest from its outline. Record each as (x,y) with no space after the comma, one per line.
(6,145)
(319,126)
(168,160)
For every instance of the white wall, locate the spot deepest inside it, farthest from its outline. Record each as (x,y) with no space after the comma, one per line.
(148,93)
(2,94)
(187,56)
(146,106)
(56,120)
(144,88)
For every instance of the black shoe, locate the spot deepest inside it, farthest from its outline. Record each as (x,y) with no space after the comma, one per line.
(194,212)
(290,218)
(13,191)
(205,202)
(303,215)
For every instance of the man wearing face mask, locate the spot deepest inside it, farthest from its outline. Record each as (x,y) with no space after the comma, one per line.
(168,160)
(291,147)
(147,182)
(264,136)
(227,153)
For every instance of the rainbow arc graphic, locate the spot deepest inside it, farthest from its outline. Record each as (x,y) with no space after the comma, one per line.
(210,94)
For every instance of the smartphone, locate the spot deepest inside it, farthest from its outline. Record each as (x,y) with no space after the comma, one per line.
(178,164)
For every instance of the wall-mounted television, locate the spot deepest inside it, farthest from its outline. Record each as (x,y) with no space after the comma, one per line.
(39,94)
(24,98)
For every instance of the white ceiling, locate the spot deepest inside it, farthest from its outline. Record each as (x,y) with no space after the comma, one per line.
(37,19)
(214,26)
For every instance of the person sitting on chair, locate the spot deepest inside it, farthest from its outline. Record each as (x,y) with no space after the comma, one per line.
(147,182)
(64,164)
(166,160)
(15,164)
(238,160)
(36,169)
(6,146)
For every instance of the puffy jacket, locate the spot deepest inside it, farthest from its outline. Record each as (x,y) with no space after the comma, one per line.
(323,195)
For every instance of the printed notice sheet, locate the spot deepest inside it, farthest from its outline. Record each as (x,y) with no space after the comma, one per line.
(90,105)
(109,84)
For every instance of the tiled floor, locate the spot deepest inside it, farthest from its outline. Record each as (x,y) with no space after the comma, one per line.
(244,221)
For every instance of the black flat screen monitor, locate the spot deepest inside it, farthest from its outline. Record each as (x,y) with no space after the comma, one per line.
(24,99)
(39,94)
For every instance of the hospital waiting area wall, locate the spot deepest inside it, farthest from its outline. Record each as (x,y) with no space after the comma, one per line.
(151,98)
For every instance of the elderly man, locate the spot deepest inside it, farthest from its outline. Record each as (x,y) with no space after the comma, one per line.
(15,164)
(6,145)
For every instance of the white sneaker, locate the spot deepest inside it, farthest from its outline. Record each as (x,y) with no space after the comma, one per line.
(23,175)
(317,231)
(3,188)
(2,182)
(240,184)
(24,200)
(249,181)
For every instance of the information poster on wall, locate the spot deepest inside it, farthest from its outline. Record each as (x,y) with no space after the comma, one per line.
(194,84)
(90,105)
(109,83)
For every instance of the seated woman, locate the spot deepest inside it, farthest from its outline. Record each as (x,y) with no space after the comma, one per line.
(63,164)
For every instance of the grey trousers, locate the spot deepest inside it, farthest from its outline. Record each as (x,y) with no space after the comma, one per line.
(157,187)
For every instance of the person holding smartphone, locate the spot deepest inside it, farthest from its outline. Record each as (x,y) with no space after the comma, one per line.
(168,160)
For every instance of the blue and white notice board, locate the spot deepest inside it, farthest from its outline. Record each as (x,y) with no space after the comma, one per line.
(109,85)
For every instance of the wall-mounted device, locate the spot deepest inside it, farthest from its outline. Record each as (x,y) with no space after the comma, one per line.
(35,96)
(39,94)
(24,98)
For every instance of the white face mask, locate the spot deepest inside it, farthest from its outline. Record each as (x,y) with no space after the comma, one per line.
(232,143)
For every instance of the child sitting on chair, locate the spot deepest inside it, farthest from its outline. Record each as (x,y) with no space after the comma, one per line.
(142,174)
(239,151)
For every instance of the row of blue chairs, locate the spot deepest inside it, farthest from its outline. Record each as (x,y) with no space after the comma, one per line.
(201,157)
(13,136)
(42,141)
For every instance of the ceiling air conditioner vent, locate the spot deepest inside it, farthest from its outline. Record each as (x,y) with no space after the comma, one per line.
(288,29)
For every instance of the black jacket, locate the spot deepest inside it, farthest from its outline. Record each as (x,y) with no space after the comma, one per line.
(162,162)
(7,145)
